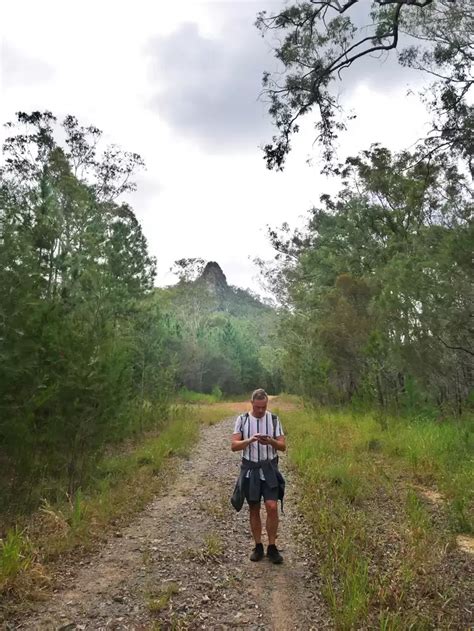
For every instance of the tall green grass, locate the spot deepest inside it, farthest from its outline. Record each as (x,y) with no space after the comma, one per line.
(15,556)
(439,454)
(334,480)
(123,483)
(141,466)
(350,465)
(190,396)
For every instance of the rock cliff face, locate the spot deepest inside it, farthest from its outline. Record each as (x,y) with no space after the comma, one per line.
(213,285)
(214,278)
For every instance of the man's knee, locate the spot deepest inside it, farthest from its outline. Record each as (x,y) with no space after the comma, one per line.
(271,507)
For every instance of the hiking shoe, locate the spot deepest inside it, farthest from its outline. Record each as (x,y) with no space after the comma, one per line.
(257,554)
(274,555)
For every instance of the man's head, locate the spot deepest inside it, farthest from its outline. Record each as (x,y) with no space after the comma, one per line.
(259,402)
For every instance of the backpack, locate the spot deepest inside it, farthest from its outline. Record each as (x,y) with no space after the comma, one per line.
(246,418)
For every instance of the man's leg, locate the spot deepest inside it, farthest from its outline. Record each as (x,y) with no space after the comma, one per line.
(271,507)
(256,528)
(255,522)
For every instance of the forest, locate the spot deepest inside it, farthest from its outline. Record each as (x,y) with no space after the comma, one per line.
(92,352)
(373,305)
(365,309)
(372,298)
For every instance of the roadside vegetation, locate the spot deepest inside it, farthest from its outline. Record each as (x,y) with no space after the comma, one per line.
(105,378)
(385,502)
(124,481)
(385,499)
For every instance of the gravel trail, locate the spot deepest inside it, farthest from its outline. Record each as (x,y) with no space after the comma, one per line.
(183,563)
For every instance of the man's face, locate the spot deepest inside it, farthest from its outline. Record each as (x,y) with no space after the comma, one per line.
(259,407)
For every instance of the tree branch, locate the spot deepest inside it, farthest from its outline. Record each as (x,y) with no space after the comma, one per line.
(455,348)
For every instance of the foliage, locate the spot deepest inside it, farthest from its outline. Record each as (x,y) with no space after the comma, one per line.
(188,269)
(318,42)
(381,554)
(226,339)
(83,348)
(15,556)
(124,482)
(161,600)
(90,352)
(189,396)
(378,288)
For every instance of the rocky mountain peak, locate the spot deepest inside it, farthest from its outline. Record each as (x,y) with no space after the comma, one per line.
(213,276)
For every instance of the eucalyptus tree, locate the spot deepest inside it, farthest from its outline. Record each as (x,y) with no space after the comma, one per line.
(379,284)
(319,42)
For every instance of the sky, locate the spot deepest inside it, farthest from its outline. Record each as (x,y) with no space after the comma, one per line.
(179,84)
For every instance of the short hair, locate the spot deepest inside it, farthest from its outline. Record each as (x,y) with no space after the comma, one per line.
(259,394)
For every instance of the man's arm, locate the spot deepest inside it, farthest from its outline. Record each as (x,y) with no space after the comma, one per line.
(277,443)
(238,443)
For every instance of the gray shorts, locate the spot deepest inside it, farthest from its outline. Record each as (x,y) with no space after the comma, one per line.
(265,491)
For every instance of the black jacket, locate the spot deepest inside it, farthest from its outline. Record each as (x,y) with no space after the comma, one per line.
(273,478)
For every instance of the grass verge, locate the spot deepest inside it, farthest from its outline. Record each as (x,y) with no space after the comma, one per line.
(123,484)
(387,560)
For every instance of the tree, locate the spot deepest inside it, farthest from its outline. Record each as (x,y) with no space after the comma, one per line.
(81,346)
(188,270)
(319,40)
(378,285)
(227,338)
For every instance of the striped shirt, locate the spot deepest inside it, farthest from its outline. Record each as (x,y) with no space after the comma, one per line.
(249,425)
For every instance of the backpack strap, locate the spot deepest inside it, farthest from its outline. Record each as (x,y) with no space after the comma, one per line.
(274,422)
(245,418)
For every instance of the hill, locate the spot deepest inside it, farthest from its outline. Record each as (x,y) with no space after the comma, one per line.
(226,337)
(215,294)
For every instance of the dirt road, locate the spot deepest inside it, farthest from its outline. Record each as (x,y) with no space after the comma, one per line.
(183,563)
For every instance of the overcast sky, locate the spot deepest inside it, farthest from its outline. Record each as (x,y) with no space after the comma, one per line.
(179,84)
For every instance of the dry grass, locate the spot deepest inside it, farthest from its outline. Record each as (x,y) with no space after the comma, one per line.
(217,508)
(388,557)
(124,484)
(160,600)
(211,550)
(210,414)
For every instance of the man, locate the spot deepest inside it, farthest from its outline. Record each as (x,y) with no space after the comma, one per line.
(259,434)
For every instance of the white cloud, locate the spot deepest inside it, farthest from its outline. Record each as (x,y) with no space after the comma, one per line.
(208,86)
(193,201)
(18,69)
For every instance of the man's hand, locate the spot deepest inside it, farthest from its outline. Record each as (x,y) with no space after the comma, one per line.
(239,443)
(277,443)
